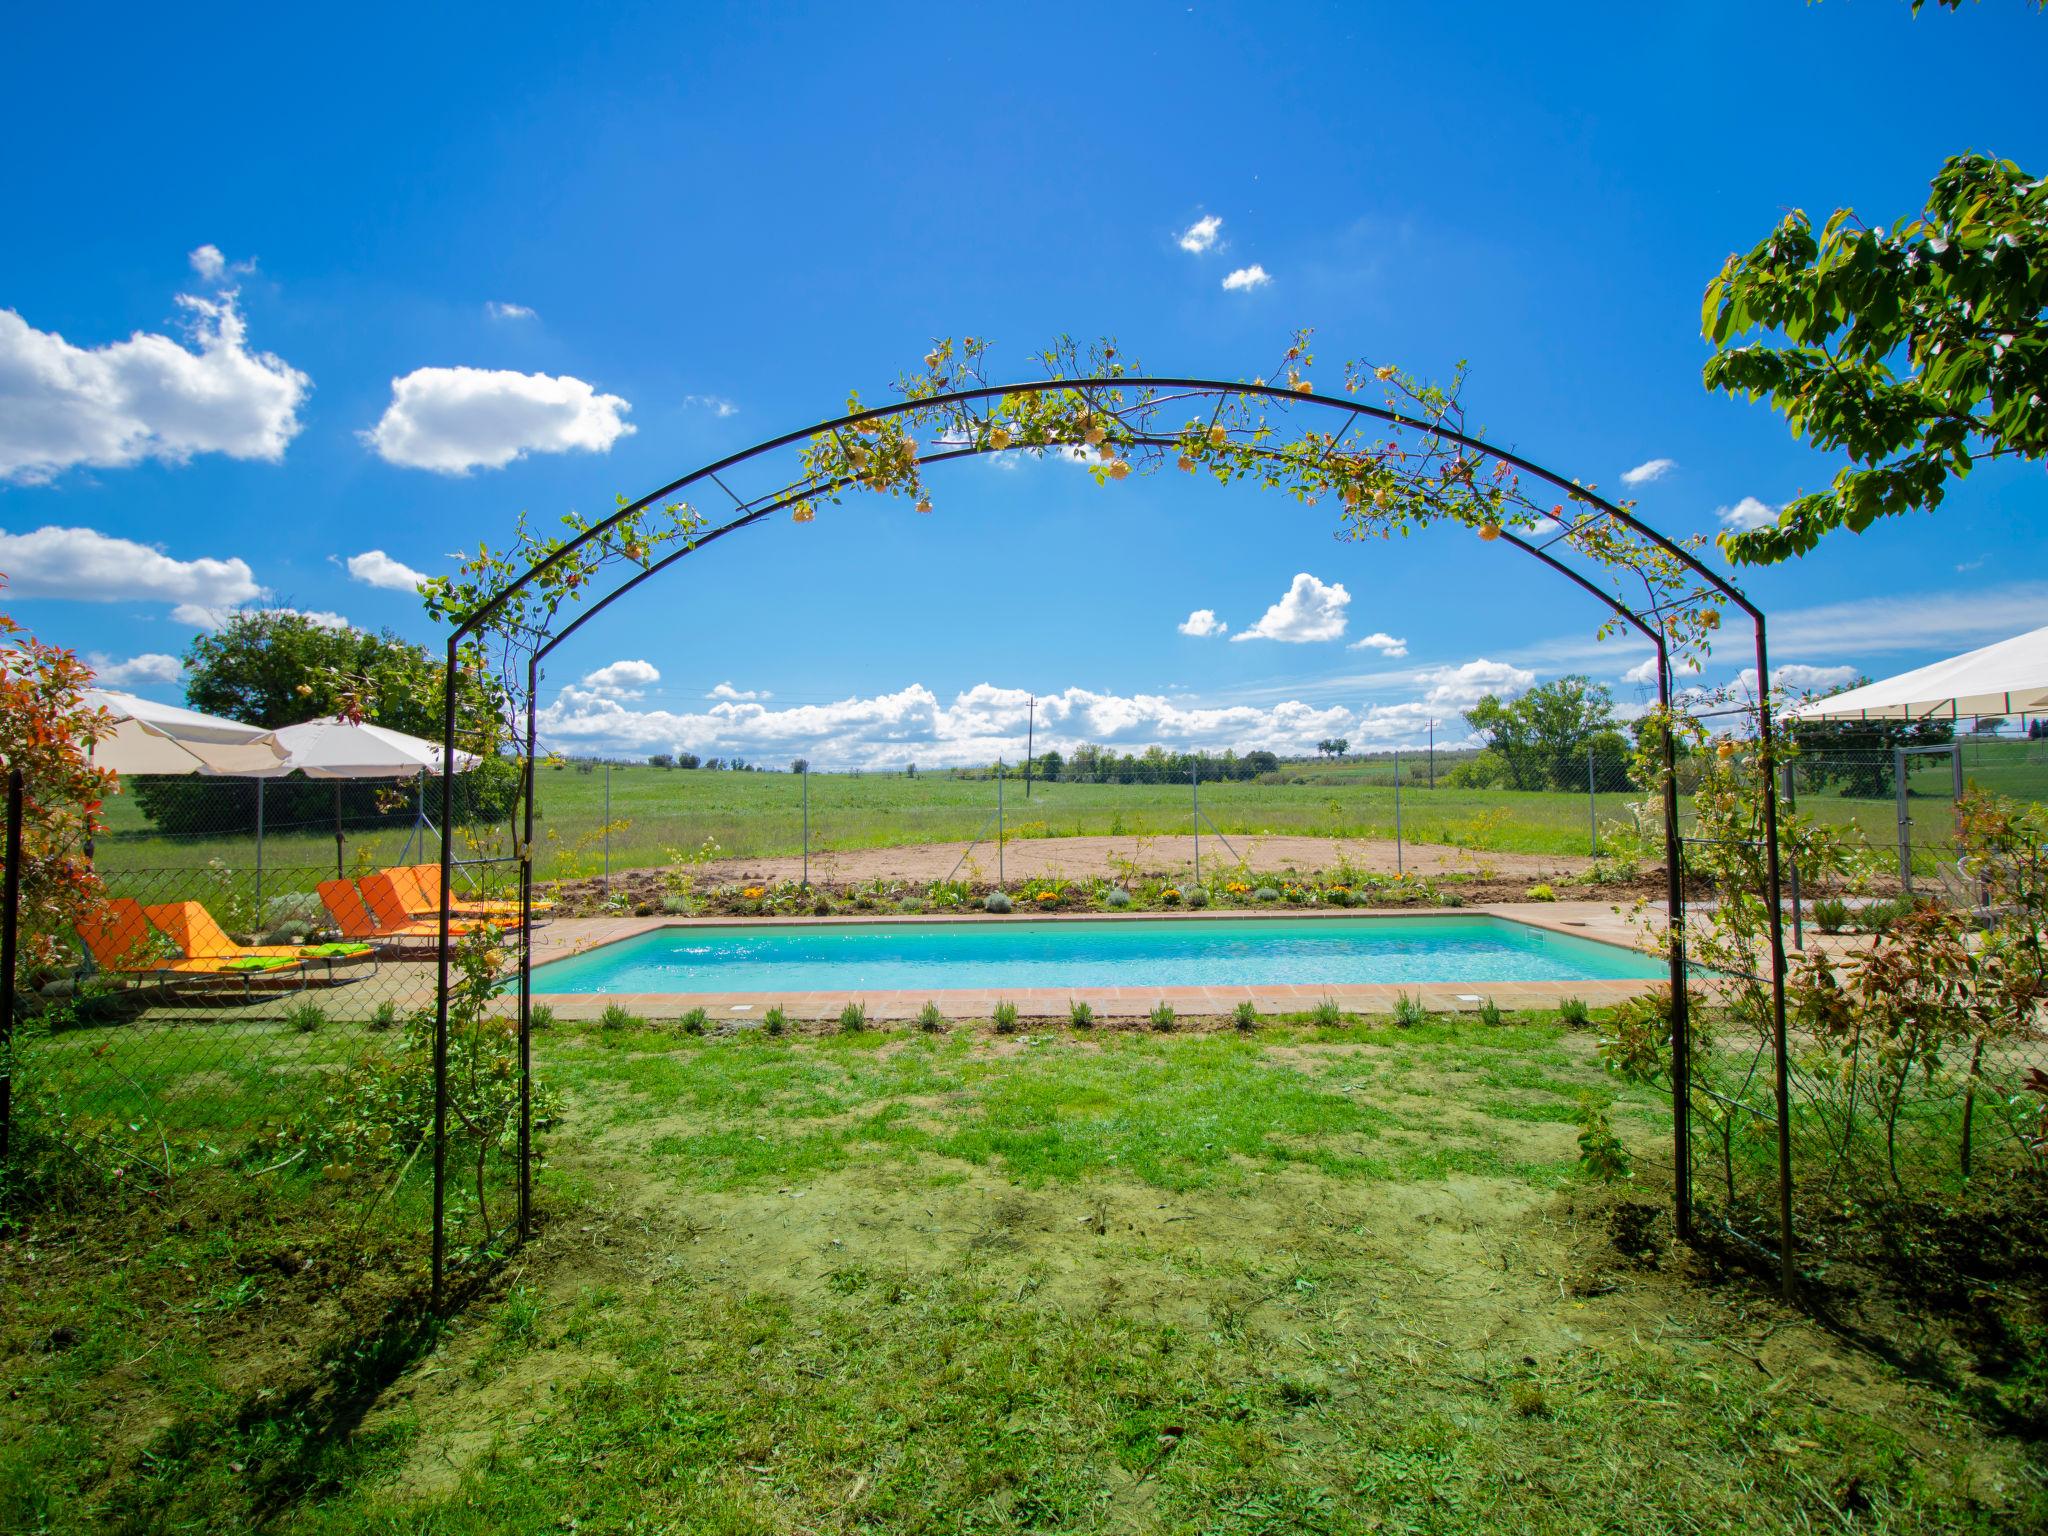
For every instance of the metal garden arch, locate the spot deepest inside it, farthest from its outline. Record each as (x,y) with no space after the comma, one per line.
(1648,619)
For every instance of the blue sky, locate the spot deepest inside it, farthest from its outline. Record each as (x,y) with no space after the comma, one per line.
(707,224)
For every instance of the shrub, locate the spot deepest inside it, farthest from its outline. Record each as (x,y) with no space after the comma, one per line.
(1600,1151)
(1541,892)
(1080,1015)
(1245,1016)
(1326,1013)
(930,1020)
(912,905)
(1408,1011)
(1338,896)
(694,1021)
(997,902)
(1194,896)
(306,1017)
(385,1015)
(615,1016)
(1006,1018)
(1831,914)
(1573,1012)
(1162,1016)
(853,1018)
(295,907)
(1169,897)
(676,906)
(775,1021)
(1117,897)
(542,1017)
(1265,893)
(1489,1013)
(822,907)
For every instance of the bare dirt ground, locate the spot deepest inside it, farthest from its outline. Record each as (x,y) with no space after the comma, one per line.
(1080,858)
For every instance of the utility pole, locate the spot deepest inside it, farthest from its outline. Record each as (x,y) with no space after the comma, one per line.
(1432,754)
(1030,731)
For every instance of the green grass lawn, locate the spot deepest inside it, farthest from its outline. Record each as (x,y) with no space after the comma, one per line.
(1322,1279)
(658,813)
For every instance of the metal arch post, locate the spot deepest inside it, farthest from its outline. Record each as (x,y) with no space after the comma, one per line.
(439,1286)
(525,851)
(1774,895)
(1674,938)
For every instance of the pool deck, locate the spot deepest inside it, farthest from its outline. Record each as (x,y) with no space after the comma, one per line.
(1578,919)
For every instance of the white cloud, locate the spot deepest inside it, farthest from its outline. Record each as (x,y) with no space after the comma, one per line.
(374,568)
(1253,276)
(1745,515)
(453,420)
(1798,678)
(149,397)
(717,405)
(731,694)
(1311,610)
(1907,622)
(1645,671)
(1463,686)
(1201,235)
(1965,567)
(1648,470)
(88,566)
(911,724)
(208,262)
(200,616)
(1448,693)
(1382,642)
(498,311)
(623,679)
(1202,623)
(149,667)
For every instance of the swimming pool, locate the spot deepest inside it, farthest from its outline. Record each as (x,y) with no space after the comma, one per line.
(771,958)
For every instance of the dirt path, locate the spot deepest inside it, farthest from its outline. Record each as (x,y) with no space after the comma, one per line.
(1089,857)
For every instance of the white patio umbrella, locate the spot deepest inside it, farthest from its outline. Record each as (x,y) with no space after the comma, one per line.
(2008,678)
(150,737)
(336,748)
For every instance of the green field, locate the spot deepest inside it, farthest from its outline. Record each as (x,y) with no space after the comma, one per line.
(658,813)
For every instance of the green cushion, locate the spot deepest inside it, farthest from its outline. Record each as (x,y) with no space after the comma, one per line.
(333,951)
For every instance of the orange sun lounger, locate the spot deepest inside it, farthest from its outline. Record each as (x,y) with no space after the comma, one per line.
(125,944)
(428,878)
(394,904)
(345,905)
(191,927)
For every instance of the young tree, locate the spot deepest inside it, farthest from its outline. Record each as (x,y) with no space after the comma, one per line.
(46,730)
(1541,739)
(661,760)
(1918,350)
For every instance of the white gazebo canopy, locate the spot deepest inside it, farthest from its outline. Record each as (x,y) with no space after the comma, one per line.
(2009,678)
(149,737)
(334,748)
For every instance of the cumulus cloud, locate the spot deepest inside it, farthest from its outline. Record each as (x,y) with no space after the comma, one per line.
(1311,610)
(149,397)
(1463,686)
(498,311)
(912,724)
(738,695)
(1645,671)
(1648,470)
(1795,677)
(89,566)
(200,616)
(1201,235)
(623,679)
(1382,642)
(1202,623)
(374,568)
(1253,276)
(717,405)
(1745,515)
(453,420)
(149,667)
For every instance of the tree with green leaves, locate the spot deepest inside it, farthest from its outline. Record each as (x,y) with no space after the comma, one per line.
(1919,349)
(1542,739)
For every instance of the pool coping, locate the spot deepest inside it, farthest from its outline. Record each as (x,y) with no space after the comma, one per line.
(1580,920)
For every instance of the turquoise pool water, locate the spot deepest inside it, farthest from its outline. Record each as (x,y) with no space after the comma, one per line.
(876,957)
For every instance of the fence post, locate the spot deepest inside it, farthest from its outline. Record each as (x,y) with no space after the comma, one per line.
(607,829)
(10,918)
(1592,806)
(1792,868)
(1000,881)
(1905,820)
(1195,783)
(807,824)
(1397,812)
(259,852)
